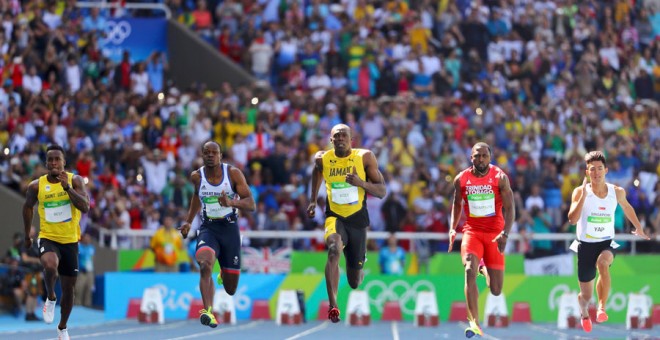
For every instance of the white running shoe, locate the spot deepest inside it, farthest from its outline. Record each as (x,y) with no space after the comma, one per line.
(49,311)
(62,334)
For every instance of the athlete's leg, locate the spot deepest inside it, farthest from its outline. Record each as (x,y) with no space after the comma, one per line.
(471,263)
(205,256)
(496,280)
(334,244)
(484,271)
(355,277)
(229,256)
(50,261)
(586,292)
(355,252)
(472,250)
(493,262)
(66,303)
(603,283)
(230,280)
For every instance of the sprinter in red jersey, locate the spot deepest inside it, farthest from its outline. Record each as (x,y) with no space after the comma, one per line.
(483,190)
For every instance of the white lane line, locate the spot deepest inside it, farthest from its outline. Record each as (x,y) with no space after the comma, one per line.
(309,331)
(627,331)
(125,331)
(395,331)
(485,336)
(219,331)
(560,334)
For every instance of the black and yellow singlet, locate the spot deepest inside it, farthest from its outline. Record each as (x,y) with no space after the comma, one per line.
(344,199)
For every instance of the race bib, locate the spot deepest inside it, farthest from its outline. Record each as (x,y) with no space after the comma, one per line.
(395,267)
(214,209)
(344,193)
(58,211)
(597,227)
(481,205)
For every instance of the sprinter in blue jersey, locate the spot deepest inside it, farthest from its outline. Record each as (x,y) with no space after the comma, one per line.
(220,189)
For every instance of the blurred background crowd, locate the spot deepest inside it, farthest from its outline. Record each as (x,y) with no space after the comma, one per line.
(418,81)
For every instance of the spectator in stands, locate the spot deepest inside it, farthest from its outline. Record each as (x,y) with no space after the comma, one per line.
(392,259)
(166,245)
(86,279)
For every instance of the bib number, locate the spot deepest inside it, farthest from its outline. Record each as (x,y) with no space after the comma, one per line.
(344,193)
(58,211)
(481,205)
(214,209)
(597,226)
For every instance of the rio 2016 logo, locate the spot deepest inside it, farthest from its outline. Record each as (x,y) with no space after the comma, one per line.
(618,301)
(117,31)
(380,292)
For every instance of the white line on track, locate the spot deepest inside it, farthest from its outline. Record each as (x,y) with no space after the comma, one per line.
(219,331)
(309,331)
(560,334)
(395,331)
(464,325)
(125,331)
(636,333)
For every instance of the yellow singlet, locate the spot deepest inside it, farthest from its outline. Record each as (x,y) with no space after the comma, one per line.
(59,220)
(344,199)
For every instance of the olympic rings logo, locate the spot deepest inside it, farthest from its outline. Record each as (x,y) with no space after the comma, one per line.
(117,31)
(379,292)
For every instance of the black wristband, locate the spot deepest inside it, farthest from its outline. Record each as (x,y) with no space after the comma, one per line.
(505,234)
(66,188)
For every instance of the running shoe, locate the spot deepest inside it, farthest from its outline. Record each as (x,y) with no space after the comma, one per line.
(62,334)
(601,315)
(333,314)
(207,318)
(473,330)
(586,324)
(49,311)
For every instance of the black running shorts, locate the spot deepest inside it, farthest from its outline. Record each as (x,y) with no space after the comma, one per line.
(66,253)
(588,255)
(224,238)
(353,232)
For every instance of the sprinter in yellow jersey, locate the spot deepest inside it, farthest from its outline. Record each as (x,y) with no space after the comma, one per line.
(349,175)
(62,199)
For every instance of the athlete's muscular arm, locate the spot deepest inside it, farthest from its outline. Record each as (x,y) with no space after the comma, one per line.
(28,210)
(78,195)
(577,202)
(195,205)
(509,211)
(375,183)
(456,210)
(508,202)
(317,177)
(629,211)
(242,189)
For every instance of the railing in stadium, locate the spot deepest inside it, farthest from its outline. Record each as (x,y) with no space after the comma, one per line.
(127,5)
(139,236)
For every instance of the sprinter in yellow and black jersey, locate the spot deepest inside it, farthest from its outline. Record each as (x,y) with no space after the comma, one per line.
(349,175)
(62,199)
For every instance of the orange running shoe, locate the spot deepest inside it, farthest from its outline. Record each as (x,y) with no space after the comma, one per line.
(586,324)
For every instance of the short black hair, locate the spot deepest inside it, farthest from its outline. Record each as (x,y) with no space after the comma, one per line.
(212,142)
(57,147)
(481,145)
(595,156)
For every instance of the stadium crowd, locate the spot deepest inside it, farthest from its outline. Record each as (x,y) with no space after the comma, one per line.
(419,82)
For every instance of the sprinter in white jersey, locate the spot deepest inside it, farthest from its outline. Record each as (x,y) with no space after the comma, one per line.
(592,209)
(220,189)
